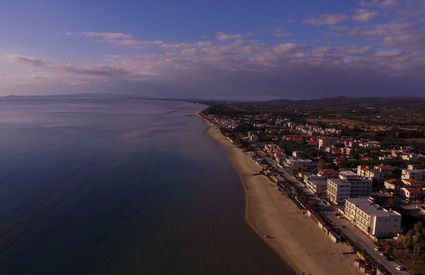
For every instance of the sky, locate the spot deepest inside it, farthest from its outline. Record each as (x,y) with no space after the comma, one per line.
(239,49)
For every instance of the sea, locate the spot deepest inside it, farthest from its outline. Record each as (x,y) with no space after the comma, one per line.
(120,186)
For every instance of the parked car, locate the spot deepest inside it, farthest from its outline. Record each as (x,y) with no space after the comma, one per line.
(400,268)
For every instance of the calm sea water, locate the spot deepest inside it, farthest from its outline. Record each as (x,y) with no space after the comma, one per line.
(119,187)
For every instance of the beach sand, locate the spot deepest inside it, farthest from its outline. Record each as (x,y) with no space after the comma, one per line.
(296,238)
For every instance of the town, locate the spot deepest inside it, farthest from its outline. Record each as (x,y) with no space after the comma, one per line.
(362,186)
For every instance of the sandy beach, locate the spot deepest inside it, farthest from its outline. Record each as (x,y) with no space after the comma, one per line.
(295,237)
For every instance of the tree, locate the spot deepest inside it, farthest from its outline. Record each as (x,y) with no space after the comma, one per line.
(393,203)
(408,241)
(417,243)
(418,227)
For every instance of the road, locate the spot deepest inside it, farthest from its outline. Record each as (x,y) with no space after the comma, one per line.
(363,242)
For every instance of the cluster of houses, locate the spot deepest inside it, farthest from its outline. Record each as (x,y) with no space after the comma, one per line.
(347,188)
(351,191)
(227,123)
(310,130)
(411,185)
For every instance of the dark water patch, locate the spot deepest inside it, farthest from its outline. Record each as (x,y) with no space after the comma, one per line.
(120,187)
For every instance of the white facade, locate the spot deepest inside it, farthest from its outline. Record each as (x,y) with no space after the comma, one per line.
(371,218)
(414,174)
(379,173)
(349,185)
(318,186)
(338,190)
(300,164)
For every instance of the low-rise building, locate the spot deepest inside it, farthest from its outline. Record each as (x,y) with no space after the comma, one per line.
(371,218)
(318,185)
(328,173)
(300,164)
(325,142)
(411,193)
(412,183)
(415,174)
(392,184)
(378,173)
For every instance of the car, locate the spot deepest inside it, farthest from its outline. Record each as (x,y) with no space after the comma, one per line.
(378,248)
(400,268)
(384,254)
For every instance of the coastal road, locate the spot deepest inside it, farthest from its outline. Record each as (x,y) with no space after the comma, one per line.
(356,236)
(364,242)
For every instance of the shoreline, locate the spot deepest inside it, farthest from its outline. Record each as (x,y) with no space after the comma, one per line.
(295,238)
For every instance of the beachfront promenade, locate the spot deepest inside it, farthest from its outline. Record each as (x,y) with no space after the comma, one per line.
(360,241)
(293,235)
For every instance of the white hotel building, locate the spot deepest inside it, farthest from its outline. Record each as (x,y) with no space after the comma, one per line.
(348,185)
(371,218)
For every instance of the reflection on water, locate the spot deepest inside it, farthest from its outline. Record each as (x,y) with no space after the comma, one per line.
(119,187)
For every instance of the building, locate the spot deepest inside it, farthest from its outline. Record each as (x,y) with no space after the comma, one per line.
(338,190)
(348,185)
(371,218)
(411,193)
(328,173)
(411,156)
(318,185)
(325,142)
(369,144)
(412,183)
(300,164)
(379,173)
(252,136)
(415,174)
(392,184)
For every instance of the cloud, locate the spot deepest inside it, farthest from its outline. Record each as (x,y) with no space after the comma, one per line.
(225,37)
(382,57)
(91,70)
(278,32)
(287,48)
(402,34)
(363,15)
(384,4)
(227,69)
(37,77)
(326,20)
(119,39)
(20,59)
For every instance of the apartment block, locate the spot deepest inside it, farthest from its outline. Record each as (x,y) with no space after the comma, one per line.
(348,185)
(371,218)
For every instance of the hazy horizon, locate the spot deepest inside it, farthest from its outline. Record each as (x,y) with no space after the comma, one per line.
(139,96)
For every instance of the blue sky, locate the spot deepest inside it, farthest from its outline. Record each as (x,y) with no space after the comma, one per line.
(213,49)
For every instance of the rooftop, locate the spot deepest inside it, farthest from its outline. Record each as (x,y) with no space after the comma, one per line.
(347,173)
(369,207)
(340,182)
(318,181)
